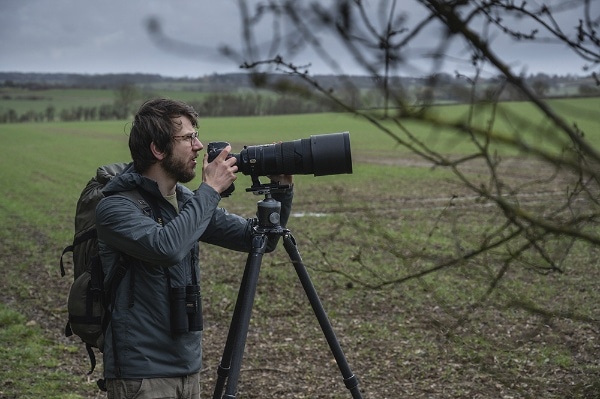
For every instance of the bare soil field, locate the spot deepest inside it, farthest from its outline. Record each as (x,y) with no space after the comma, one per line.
(402,340)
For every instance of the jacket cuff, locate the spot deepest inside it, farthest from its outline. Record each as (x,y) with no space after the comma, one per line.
(206,190)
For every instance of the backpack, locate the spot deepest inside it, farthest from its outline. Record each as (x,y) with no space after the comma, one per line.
(88,300)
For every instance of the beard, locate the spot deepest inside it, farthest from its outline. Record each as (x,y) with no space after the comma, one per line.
(178,169)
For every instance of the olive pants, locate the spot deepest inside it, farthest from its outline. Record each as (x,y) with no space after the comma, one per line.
(187,387)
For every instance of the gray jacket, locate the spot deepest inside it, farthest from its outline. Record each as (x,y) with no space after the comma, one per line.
(140,329)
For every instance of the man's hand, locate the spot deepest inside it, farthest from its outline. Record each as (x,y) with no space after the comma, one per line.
(220,173)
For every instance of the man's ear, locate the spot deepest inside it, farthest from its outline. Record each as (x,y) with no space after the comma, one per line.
(158,154)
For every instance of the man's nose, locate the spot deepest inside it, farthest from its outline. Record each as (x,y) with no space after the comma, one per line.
(197,144)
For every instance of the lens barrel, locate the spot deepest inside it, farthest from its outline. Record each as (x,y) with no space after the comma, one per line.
(319,155)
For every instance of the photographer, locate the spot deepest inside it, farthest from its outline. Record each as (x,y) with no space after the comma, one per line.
(153,341)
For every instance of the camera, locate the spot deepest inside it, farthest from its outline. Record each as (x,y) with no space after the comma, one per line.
(186,309)
(320,155)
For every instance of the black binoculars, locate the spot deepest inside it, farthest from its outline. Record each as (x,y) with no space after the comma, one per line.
(186,309)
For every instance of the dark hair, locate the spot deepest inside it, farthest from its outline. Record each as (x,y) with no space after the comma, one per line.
(155,123)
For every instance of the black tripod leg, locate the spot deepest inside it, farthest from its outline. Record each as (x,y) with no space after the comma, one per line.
(225,364)
(350,379)
(229,368)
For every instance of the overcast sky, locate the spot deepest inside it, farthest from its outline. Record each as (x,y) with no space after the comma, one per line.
(110,36)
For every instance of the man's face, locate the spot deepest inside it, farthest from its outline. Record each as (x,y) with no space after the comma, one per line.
(181,163)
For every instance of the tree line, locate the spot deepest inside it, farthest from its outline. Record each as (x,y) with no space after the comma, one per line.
(128,97)
(216,104)
(221,99)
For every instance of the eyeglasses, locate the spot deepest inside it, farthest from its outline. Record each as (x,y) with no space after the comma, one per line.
(188,137)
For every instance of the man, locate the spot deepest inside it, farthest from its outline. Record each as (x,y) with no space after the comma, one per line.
(152,346)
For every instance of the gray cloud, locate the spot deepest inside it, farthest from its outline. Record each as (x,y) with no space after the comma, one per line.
(110,36)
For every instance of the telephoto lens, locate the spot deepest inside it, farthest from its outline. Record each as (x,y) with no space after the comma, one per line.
(319,155)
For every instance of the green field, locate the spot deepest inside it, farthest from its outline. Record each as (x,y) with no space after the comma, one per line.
(433,336)
(23,100)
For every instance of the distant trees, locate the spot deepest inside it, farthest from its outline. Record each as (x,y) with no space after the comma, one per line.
(255,104)
(126,96)
(237,94)
(588,90)
(215,104)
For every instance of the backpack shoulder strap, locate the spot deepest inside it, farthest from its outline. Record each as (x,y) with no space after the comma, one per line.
(139,199)
(150,208)
(146,202)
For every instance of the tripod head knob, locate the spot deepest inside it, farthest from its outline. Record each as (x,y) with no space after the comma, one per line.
(268,212)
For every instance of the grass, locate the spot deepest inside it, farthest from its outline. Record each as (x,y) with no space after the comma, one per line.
(23,344)
(435,336)
(35,363)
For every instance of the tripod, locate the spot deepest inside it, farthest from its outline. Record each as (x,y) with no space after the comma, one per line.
(267,224)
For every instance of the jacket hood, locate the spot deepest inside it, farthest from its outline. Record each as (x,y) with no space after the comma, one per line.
(128,180)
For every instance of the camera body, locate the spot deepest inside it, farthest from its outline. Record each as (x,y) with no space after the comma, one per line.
(214,149)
